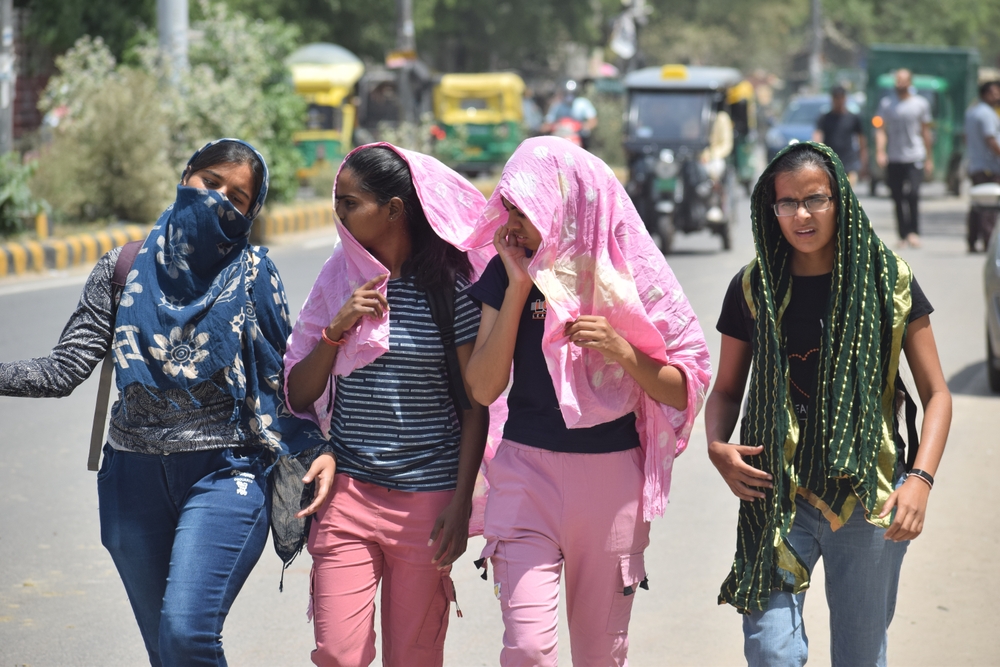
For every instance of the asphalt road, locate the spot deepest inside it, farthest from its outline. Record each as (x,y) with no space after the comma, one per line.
(61,602)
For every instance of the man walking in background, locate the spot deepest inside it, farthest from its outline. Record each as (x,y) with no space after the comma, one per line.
(842,131)
(903,148)
(982,134)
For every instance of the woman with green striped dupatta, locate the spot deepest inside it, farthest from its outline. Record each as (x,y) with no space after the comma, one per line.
(818,320)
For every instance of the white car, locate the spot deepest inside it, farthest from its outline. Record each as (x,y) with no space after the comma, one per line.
(991,283)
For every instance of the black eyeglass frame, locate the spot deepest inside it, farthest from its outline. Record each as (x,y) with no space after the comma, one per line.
(820,200)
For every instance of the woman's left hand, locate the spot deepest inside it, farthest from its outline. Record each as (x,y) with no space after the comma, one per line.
(323,468)
(910,501)
(451,532)
(596,333)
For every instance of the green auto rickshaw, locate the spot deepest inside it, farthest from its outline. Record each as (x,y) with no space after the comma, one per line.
(325,74)
(478,119)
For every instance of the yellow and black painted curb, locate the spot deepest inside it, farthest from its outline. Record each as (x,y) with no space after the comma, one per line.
(18,258)
(21,257)
(285,219)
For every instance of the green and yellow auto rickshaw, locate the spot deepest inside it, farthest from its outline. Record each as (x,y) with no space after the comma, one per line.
(325,74)
(478,119)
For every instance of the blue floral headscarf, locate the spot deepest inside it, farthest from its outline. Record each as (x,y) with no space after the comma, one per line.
(202,304)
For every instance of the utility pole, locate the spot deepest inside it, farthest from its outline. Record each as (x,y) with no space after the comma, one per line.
(816,54)
(8,76)
(172,25)
(406,47)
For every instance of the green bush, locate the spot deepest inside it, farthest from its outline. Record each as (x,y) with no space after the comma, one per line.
(17,203)
(112,159)
(126,131)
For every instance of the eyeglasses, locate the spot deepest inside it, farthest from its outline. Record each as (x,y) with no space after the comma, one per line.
(813,205)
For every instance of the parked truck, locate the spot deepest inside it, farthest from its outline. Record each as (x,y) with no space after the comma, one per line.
(947,78)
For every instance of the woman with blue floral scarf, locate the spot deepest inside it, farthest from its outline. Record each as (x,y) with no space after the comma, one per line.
(198,334)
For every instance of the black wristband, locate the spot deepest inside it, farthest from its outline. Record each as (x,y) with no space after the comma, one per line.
(924,475)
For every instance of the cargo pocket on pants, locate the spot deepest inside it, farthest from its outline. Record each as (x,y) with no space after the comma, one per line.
(632,570)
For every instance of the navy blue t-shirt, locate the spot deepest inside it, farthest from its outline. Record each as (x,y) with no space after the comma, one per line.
(533,410)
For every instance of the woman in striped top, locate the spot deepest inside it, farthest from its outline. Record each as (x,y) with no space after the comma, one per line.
(367,362)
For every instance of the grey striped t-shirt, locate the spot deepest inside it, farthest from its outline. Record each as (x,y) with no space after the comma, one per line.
(394,423)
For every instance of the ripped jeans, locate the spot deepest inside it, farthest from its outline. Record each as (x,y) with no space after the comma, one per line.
(184,531)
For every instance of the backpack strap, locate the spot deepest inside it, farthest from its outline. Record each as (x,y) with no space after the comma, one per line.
(442,304)
(912,435)
(123,265)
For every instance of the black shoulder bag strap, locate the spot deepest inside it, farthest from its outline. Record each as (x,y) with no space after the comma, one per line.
(912,442)
(442,304)
(122,268)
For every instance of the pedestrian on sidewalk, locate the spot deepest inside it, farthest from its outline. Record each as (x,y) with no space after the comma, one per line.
(609,370)
(370,362)
(198,334)
(903,148)
(982,143)
(818,320)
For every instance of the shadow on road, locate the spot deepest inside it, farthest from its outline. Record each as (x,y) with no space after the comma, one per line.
(691,252)
(970,381)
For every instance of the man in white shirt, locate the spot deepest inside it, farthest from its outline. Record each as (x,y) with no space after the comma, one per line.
(903,148)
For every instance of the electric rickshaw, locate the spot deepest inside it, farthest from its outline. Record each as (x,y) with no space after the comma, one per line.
(690,136)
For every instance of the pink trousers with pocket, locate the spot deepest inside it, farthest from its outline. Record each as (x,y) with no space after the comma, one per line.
(583,512)
(366,533)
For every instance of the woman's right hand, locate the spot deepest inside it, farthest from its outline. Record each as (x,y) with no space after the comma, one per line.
(515,258)
(743,479)
(365,300)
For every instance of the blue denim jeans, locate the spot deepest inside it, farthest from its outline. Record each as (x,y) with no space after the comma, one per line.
(862,574)
(184,531)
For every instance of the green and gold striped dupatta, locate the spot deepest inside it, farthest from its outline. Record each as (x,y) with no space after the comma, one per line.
(847,453)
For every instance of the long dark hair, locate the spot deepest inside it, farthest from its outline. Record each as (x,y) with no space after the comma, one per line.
(433,262)
(229,152)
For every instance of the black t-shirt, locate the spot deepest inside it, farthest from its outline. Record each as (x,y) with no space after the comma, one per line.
(533,410)
(838,131)
(803,327)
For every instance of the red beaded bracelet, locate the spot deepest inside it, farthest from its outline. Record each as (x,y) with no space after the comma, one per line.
(333,343)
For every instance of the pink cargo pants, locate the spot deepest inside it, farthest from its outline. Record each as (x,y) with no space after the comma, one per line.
(366,533)
(549,510)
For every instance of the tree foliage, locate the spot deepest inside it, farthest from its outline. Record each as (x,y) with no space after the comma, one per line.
(59,23)
(770,33)
(126,132)
(452,35)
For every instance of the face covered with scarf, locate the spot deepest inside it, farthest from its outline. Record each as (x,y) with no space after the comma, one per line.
(185,306)
(846,453)
(594,257)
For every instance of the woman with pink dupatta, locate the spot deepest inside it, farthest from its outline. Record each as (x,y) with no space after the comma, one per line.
(367,362)
(610,369)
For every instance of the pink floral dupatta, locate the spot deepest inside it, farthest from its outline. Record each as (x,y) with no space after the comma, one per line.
(596,258)
(452,206)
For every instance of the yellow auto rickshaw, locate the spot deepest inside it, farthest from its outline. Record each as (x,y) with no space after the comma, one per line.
(325,75)
(478,119)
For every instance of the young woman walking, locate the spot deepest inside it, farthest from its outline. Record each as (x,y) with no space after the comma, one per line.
(609,370)
(369,362)
(197,334)
(818,320)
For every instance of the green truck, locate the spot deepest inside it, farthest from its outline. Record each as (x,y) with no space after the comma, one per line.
(947,77)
